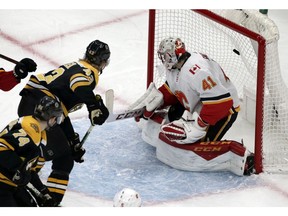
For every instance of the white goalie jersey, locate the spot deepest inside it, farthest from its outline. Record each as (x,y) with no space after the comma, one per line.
(201,78)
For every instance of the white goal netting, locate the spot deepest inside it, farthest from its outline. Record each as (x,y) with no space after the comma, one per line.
(239,57)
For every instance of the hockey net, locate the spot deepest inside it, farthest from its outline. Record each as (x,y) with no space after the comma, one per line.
(245,44)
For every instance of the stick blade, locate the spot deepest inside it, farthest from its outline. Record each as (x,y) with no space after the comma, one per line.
(109,97)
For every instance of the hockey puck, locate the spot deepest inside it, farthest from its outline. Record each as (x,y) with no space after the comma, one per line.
(236,51)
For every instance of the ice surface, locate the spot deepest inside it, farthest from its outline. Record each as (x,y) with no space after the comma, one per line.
(116,156)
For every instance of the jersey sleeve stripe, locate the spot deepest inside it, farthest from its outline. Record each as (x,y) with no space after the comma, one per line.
(5,143)
(6,180)
(216,100)
(227,95)
(36,85)
(79,80)
(77,84)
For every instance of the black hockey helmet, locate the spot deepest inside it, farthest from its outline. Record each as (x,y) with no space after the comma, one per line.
(98,53)
(47,108)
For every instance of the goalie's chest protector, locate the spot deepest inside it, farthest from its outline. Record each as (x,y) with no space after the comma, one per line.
(198,79)
(183,85)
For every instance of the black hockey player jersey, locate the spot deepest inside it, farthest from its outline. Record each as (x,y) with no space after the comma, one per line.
(19,142)
(72,83)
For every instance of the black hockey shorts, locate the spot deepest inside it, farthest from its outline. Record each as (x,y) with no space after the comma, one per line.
(58,150)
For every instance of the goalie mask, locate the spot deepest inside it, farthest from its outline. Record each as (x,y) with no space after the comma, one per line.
(127,198)
(98,54)
(170,50)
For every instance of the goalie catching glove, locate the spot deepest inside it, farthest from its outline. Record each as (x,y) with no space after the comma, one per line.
(189,129)
(98,112)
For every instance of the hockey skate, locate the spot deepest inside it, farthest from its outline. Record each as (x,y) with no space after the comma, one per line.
(249,165)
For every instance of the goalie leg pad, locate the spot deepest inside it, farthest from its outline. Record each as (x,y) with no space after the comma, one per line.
(242,160)
(151,129)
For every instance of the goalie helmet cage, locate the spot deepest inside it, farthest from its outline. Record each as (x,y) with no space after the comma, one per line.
(245,44)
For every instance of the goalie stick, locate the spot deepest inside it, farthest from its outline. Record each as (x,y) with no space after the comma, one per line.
(124,115)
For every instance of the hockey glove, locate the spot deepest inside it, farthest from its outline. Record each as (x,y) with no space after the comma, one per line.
(46,199)
(189,129)
(98,112)
(22,176)
(23,67)
(77,150)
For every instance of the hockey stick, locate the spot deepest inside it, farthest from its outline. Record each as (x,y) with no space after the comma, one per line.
(39,198)
(35,192)
(86,135)
(124,115)
(109,98)
(8,59)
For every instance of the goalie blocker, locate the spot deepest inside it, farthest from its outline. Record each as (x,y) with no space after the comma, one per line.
(145,106)
(225,155)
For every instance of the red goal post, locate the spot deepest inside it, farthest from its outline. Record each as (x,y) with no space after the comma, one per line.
(245,43)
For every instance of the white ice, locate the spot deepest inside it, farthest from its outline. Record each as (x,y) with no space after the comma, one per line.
(55,37)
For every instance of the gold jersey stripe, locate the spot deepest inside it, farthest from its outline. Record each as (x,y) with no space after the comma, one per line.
(217,101)
(55,190)
(57,181)
(7,144)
